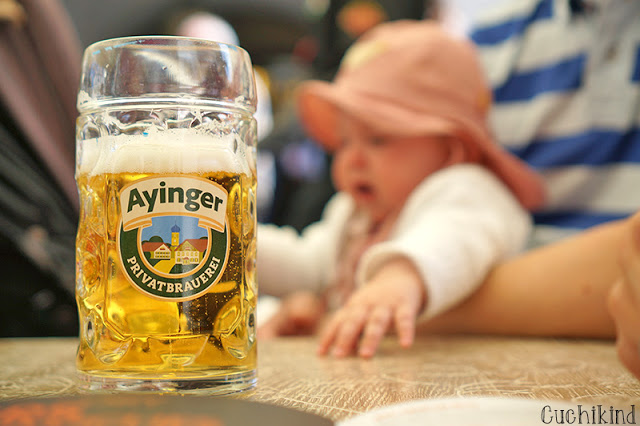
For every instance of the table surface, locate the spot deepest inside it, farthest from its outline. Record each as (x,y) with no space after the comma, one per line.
(291,375)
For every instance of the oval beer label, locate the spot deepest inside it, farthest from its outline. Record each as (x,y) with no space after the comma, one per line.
(173,239)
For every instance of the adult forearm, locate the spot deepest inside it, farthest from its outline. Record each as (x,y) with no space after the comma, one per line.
(557,290)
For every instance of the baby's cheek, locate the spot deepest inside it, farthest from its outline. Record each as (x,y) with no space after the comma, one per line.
(338,175)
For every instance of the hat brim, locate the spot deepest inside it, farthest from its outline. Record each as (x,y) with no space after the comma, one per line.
(320,105)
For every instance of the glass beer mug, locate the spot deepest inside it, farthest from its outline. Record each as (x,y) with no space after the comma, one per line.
(166,251)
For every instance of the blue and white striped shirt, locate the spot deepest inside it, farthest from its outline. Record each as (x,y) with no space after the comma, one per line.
(566,82)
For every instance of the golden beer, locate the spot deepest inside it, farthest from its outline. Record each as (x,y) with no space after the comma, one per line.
(128,333)
(189,336)
(165,250)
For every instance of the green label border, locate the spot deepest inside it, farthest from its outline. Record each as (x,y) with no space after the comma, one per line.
(185,287)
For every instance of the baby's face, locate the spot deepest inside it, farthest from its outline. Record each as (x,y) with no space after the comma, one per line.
(380,172)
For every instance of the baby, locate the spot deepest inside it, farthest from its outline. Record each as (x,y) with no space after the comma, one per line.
(426,202)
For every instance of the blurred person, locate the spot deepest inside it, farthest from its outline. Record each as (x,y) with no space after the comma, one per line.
(566,78)
(40,57)
(206,25)
(426,202)
(209,26)
(303,182)
(570,106)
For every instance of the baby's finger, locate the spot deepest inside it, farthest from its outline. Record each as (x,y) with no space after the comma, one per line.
(377,325)
(348,332)
(328,334)
(405,321)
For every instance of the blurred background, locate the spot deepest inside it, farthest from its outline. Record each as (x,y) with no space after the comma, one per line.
(289,41)
(40,46)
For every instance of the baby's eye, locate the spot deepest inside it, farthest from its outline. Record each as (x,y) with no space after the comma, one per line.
(377,141)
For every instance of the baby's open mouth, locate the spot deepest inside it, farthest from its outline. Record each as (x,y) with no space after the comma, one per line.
(364,190)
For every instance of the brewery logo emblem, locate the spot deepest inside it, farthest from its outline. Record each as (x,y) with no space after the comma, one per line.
(173,239)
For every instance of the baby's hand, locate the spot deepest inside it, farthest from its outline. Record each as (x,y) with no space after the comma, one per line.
(298,314)
(393,298)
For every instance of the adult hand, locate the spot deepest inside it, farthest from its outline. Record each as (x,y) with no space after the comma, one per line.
(624,299)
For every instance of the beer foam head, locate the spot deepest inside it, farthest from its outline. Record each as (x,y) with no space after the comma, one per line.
(172,151)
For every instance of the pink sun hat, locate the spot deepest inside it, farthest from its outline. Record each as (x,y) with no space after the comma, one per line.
(412,78)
